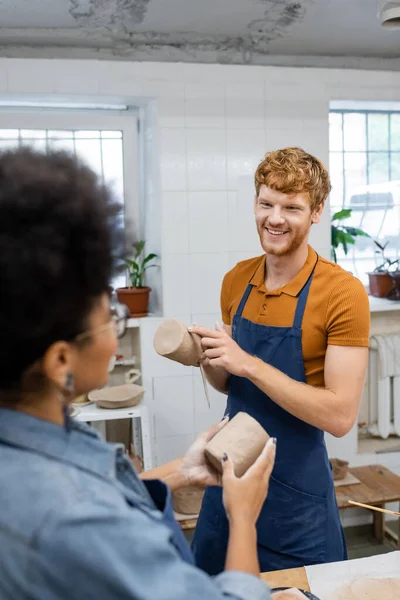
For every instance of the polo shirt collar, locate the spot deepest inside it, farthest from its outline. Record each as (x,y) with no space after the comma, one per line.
(294,287)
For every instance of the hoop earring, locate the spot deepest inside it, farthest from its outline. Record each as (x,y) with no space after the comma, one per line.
(69,383)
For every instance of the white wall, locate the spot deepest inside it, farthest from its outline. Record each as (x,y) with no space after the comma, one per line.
(207,128)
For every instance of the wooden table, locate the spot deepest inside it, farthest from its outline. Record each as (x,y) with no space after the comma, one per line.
(296,578)
(378,486)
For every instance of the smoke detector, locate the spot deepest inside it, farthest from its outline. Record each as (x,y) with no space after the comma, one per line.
(389,14)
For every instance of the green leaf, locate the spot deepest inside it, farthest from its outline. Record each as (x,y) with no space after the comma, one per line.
(344,239)
(334,237)
(132,264)
(354,231)
(345,213)
(380,246)
(148,259)
(139,247)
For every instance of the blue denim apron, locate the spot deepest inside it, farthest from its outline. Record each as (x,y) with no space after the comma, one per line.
(299,523)
(161,496)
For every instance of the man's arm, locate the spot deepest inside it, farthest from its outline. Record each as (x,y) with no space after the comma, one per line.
(333,408)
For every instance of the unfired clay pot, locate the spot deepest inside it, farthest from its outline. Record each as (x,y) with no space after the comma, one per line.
(118,396)
(173,340)
(340,468)
(243,440)
(187,500)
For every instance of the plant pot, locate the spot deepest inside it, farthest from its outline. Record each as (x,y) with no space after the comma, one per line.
(136,299)
(380,284)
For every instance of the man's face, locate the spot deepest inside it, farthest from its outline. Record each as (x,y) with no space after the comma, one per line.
(283,221)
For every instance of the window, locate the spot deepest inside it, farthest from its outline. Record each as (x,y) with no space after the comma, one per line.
(101,150)
(107,143)
(364,160)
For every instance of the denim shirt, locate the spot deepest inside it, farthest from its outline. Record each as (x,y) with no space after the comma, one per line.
(76,522)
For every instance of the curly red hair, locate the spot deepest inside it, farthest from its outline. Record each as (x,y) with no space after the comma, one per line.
(293,171)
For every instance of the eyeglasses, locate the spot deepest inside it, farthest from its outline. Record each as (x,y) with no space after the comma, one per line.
(118,319)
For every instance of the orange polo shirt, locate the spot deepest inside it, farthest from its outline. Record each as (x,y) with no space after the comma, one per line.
(337,310)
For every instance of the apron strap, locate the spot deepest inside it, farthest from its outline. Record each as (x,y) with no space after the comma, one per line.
(243,300)
(302,300)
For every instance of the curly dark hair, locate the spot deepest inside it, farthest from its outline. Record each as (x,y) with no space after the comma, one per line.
(58,247)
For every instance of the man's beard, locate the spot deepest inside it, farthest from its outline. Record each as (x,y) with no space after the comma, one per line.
(285,249)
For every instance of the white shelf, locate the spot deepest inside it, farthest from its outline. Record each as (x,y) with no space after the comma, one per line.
(383,305)
(125,362)
(133,323)
(92,413)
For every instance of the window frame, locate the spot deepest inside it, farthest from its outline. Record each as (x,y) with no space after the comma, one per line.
(389,152)
(126,121)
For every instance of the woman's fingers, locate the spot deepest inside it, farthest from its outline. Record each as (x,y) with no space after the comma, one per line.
(264,464)
(227,468)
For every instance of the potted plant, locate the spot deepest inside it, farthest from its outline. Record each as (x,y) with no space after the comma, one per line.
(385,278)
(136,295)
(343,235)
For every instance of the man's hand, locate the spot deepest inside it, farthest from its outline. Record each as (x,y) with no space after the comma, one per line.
(220,350)
(195,468)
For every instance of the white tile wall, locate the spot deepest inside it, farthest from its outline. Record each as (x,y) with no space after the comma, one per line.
(204,106)
(214,123)
(206,273)
(171,447)
(176,284)
(171,103)
(245,149)
(173,397)
(206,159)
(176,219)
(208,222)
(204,416)
(173,159)
(243,235)
(245,106)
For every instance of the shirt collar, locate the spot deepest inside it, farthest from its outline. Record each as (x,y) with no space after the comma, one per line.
(294,287)
(79,445)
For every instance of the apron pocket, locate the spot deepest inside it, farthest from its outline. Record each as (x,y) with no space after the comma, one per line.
(294,523)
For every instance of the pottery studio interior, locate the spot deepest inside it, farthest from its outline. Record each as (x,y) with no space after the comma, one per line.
(200,300)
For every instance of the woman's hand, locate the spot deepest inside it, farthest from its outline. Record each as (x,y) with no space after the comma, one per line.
(244,496)
(195,468)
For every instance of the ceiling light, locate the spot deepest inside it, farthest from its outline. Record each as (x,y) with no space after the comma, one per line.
(389,14)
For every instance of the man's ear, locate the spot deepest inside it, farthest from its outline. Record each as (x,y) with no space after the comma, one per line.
(57,362)
(317,213)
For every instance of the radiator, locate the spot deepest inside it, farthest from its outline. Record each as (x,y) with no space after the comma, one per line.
(384,399)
